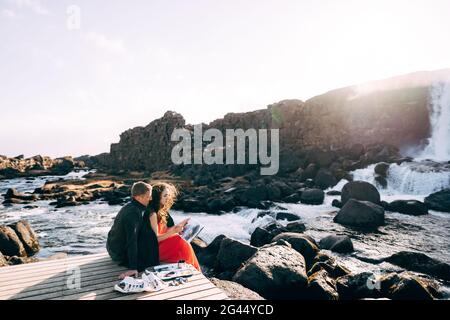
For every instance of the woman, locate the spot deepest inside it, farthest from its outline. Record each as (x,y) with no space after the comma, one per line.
(172,247)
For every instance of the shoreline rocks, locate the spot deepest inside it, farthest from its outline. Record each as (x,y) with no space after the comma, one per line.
(420,262)
(439,201)
(360,190)
(335,243)
(410,207)
(235,291)
(362,214)
(18,243)
(274,272)
(19,167)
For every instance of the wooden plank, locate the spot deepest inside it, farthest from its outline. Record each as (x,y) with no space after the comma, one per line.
(103,292)
(99,274)
(56,275)
(33,290)
(45,268)
(199,294)
(41,281)
(183,291)
(54,269)
(218,296)
(110,294)
(27,266)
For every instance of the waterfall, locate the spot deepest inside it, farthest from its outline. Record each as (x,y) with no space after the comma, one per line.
(438,147)
(414,178)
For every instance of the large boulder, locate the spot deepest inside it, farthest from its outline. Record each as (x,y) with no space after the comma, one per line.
(10,243)
(27,236)
(265,234)
(310,172)
(420,262)
(62,166)
(410,207)
(439,201)
(325,179)
(232,253)
(382,169)
(235,291)
(322,287)
(300,243)
(296,226)
(358,286)
(312,196)
(405,286)
(275,272)
(360,190)
(362,214)
(335,243)
(207,255)
(292,198)
(282,215)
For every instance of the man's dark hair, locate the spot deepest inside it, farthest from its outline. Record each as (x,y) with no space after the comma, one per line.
(140,188)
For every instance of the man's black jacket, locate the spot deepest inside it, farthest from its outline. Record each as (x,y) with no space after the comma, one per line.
(131,240)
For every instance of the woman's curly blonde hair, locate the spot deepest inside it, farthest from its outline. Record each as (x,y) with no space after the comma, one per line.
(157,190)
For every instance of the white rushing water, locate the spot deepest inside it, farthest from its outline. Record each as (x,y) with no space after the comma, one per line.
(430,170)
(408,178)
(438,147)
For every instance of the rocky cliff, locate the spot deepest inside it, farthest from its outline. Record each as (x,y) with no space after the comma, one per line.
(392,112)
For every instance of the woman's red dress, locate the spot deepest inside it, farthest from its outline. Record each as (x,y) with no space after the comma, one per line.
(175,248)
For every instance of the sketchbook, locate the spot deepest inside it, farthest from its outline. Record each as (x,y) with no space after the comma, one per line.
(191,231)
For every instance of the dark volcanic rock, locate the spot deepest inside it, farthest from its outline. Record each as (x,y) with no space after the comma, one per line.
(207,255)
(312,196)
(325,179)
(235,291)
(439,201)
(27,236)
(322,287)
(310,172)
(419,262)
(340,244)
(332,268)
(232,254)
(336,203)
(410,207)
(360,190)
(382,181)
(358,286)
(62,166)
(286,216)
(334,193)
(10,243)
(275,272)
(382,169)
(295,226)
(264,235)
(293,198)
(407,287)
(300,243)
(362,214)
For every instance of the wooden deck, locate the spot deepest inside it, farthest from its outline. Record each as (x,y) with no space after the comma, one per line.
(54,280)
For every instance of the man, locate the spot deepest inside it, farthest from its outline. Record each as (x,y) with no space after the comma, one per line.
(131,241)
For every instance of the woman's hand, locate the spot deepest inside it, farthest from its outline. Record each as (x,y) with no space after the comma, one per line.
(178,228)
(185,222)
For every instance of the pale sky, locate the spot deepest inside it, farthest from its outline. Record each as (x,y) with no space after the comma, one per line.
(72,91)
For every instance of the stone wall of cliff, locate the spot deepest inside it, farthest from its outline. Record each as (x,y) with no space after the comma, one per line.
(396,116)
